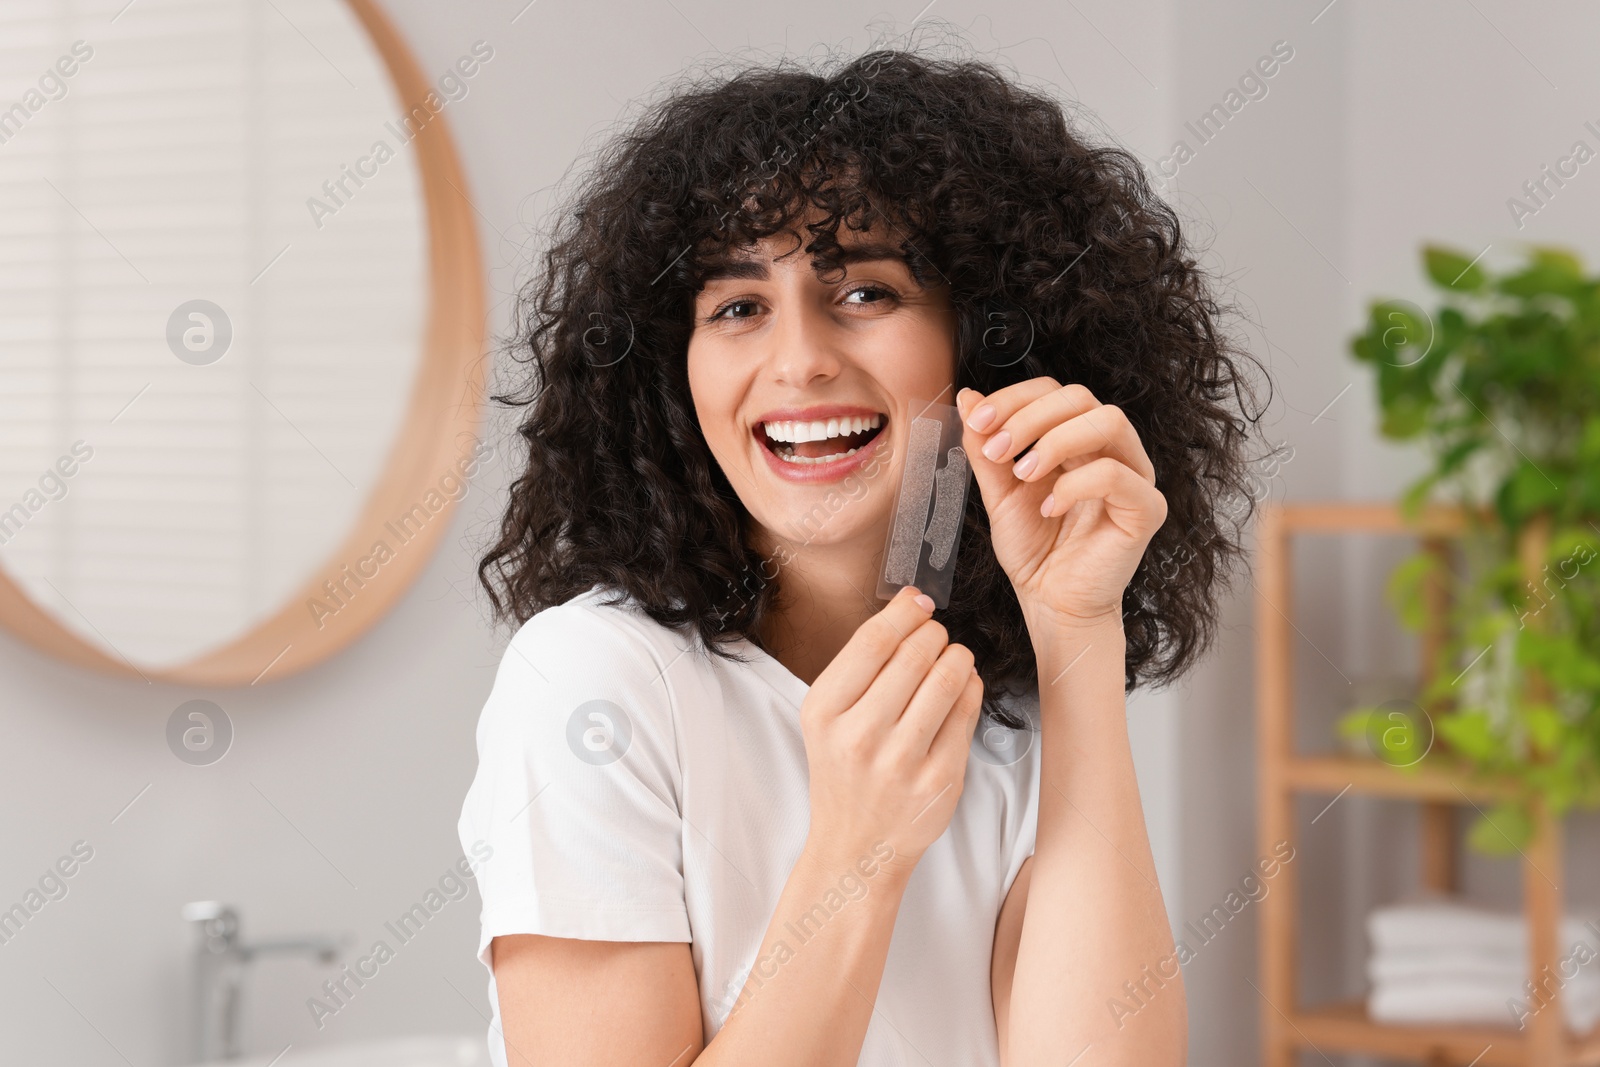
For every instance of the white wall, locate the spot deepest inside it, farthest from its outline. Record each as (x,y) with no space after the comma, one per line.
(1392,123)
(1264,195)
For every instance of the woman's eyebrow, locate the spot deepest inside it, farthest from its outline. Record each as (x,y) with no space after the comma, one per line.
(741,268)
(746,268)
(870,252)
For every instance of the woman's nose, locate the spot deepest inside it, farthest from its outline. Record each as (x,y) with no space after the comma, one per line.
(805,346)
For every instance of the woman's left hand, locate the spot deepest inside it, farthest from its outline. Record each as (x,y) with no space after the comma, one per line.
(1069,527)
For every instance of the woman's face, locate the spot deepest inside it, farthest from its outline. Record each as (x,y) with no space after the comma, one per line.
(803,387)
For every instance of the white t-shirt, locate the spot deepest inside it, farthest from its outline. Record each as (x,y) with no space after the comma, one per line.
(634,787)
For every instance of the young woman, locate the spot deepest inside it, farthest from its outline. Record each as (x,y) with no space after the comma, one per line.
(737,808)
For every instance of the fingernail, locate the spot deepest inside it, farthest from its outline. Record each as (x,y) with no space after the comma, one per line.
(926,601)
(961,396)
(1025,465)
(981,417)
(997,445)
(907,590)
(1049,502)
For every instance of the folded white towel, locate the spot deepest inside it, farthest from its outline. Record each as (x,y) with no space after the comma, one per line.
(1441,961)
(1439,924)
(1476,1002)
(1418,965)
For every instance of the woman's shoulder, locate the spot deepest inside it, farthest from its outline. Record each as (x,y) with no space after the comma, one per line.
(596,671)
(594,627)
(600,644)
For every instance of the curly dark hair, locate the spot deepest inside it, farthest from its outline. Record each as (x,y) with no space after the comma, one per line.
(1052,246)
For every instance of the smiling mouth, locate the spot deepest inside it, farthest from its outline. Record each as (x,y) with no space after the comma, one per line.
(823,441)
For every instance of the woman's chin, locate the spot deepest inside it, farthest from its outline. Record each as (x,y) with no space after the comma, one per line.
(827,520)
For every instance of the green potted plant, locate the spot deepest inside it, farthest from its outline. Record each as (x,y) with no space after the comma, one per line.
(1501,384)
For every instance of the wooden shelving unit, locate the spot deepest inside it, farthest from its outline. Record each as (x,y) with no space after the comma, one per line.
(1438,784)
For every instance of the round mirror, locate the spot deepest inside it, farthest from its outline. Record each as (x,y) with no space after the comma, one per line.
(242,313)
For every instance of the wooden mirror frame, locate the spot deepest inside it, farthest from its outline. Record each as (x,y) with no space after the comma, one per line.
(444,410)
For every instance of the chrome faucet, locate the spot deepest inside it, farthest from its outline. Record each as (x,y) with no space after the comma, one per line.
(220,960)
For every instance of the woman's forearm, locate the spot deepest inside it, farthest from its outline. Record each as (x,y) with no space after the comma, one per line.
(1094,917)
(809,996)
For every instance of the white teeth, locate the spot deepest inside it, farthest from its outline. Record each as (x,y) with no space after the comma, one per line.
(791,458)
(799,432)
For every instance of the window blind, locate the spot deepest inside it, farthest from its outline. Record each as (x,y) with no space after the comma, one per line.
(182,160)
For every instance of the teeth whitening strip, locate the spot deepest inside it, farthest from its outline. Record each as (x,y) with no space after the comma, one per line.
(921,549)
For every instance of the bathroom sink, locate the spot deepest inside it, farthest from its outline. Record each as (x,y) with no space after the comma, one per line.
(392,1052)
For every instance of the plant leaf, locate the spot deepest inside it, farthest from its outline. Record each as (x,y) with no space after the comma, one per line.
(1469,733)
(1452,270)
(1502,830)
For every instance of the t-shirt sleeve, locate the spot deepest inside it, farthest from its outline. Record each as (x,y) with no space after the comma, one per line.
(576,792)
(1027,783)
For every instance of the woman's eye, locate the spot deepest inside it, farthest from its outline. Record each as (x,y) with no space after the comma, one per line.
(883,291)
(729,306)
(729,310)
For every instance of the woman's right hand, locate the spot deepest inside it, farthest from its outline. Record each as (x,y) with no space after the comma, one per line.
(888,726)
